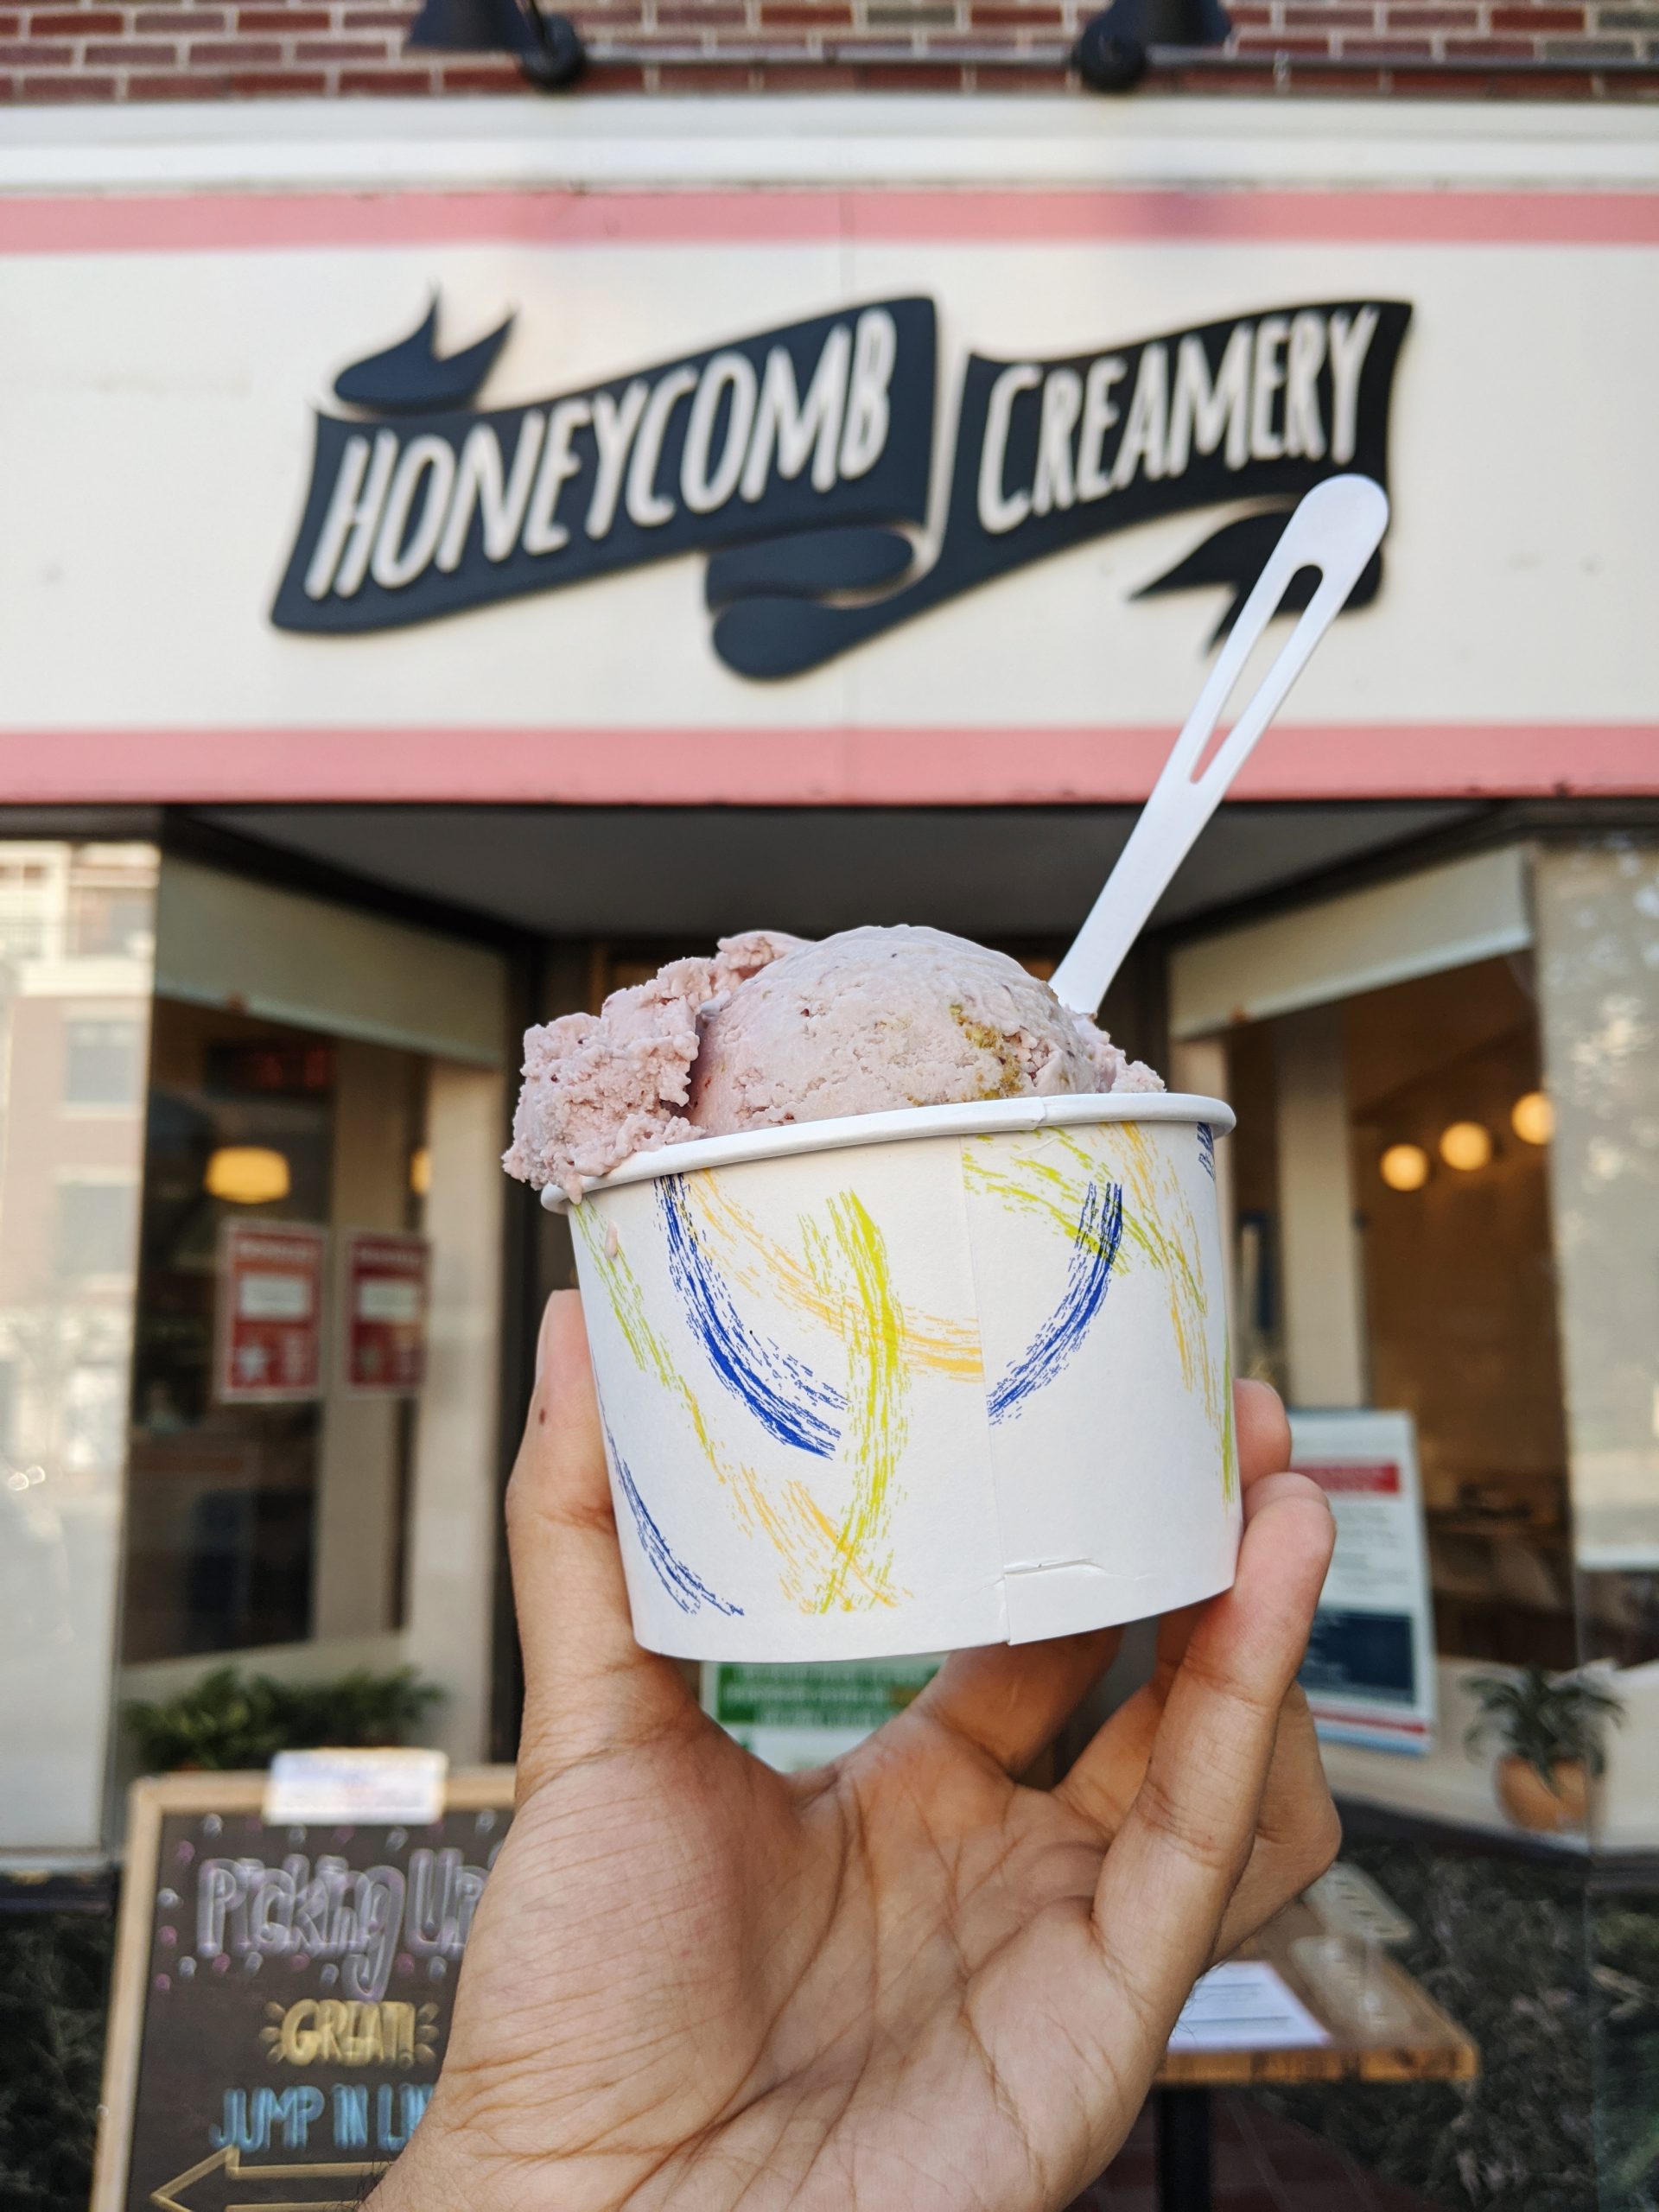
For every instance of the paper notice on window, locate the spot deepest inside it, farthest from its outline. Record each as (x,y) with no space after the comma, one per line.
(404,1789)
(1245,2005)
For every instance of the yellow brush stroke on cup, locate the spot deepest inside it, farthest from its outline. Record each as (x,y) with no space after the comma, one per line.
(811,1548)
(850,1265)
(1050,1180)
(748,1256)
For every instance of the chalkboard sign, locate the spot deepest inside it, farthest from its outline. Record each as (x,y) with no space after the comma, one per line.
(283,1995)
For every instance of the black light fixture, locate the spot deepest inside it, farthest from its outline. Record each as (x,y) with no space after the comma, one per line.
(547,49)
(1113,49)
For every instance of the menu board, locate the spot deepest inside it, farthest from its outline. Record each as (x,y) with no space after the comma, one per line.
(1369,1670)
(283,1995)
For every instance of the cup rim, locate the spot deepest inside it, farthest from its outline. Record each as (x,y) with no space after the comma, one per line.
(973,1117)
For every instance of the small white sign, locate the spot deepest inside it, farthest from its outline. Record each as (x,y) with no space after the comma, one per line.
(273,1297)
(404,1788)
(1245,2005)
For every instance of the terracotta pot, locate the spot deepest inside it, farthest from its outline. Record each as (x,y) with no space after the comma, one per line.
(1531,1803)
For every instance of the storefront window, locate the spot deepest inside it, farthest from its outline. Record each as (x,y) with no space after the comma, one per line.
(236,1465)
(1445,1186)
(74,1006)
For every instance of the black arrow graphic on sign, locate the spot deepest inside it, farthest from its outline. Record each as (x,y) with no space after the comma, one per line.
(214,2184)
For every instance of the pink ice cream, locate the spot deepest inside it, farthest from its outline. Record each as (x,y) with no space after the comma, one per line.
(776,1029)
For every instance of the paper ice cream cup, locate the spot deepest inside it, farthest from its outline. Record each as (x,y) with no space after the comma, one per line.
(916,1381)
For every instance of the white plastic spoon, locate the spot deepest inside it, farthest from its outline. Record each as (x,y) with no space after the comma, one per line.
(1336,529)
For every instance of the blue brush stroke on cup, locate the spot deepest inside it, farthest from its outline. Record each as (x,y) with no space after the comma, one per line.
(1094,1248)
(1207,1149)
(682,1587)
(784,1395)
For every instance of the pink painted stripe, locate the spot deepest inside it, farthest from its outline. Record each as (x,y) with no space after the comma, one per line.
(810,767)
(206,222)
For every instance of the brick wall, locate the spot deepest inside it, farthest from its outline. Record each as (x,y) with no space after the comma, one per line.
(104,50)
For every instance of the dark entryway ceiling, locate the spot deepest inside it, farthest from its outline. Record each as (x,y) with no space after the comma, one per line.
(648,872)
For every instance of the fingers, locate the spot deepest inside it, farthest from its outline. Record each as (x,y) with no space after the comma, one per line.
(1262,1430)
(1010,1700)
(588,1686)
(1186,1841)
(1297,1831)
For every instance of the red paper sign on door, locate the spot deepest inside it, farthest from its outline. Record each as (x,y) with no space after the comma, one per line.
(385,1300)
(270,1277)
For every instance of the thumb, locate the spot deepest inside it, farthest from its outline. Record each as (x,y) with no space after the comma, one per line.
(588,1686)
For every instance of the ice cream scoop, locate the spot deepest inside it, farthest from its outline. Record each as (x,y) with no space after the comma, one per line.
(775,1029)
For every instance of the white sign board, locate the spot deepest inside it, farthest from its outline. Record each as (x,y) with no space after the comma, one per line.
(1009,458)
(1369,1670)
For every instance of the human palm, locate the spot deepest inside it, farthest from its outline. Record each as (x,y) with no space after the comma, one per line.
(905,1982)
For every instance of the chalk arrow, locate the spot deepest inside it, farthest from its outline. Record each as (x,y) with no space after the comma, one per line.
(220,2183)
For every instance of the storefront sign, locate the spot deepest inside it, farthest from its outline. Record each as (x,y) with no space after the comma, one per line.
(761,429)
(282,1993)
(1369,1670)
(793,457)
(270,1277)
(385,1310)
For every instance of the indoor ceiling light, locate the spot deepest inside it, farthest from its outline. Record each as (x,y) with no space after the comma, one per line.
(1532,1118)
(1404,1167)
(247,1175)
(420,1170)
(1465,1145)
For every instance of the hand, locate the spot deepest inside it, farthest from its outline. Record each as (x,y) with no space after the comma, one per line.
(902,1983)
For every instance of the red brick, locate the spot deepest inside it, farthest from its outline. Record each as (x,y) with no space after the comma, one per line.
(26,54)
(1281,43)
(834,15)
(1541,84)
(77,22)
(393,82)
(1438,84)
(1358,80)
(880,77)
(672,78)
(807,77)
(1431,19)
(990,78)
(233,52)
(612,77)
(480,76)
(345,49)
(1003,18)
(1491,49)
(696,18)
(1333,18)
(81,86)
(190,22)
(1537,19)
(1251,15)
(1387,51)
(303,84)
(131,53)
(287,20)
(378,19)
(177,84)
(11,26)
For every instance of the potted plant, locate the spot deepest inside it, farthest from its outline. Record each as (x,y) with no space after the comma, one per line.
(1550,1728)
(230,1720)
